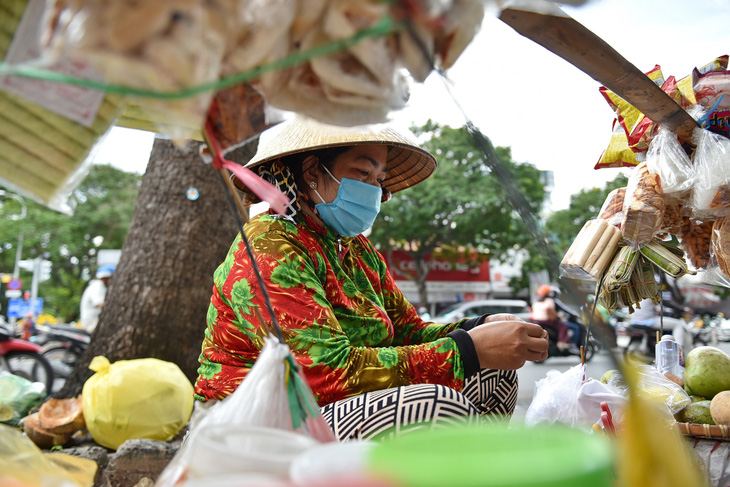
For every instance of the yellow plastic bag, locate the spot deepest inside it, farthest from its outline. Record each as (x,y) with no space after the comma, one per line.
(22,463)
(142,398)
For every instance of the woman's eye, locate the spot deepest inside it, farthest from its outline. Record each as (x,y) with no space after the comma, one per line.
(363,173)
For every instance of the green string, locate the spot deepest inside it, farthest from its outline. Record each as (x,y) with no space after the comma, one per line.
(299,396)
(384,27)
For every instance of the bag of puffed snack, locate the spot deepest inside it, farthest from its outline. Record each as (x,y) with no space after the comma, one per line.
(612,209)
(643,207)
(720,244)
(695,239)
(667,158)
(711,193)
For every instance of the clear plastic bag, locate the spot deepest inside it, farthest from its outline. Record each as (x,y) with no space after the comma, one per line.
(261,402)
(667,159)
(18,396)
(155,46)
(720,245)
(655,386)
(591,251)
(643,209)
(711,194)
(23,464)
(569,399)
(612,209)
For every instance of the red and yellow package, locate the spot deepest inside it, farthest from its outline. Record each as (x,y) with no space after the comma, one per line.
(629,116)
(685,84)
(618,153)
(712,91)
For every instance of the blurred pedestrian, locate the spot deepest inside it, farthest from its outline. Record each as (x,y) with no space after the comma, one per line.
(93,298)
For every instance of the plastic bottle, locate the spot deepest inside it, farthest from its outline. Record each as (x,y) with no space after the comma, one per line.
(668,356)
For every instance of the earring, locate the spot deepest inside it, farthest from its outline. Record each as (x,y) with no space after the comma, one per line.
(312,184)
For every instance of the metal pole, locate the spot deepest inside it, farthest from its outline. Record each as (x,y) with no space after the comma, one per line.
(19,250)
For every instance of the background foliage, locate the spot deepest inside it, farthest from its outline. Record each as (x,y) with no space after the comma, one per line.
(104,205)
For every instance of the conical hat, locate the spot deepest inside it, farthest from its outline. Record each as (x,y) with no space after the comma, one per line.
(407,164)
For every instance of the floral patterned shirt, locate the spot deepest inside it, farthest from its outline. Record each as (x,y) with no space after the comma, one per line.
(340,311)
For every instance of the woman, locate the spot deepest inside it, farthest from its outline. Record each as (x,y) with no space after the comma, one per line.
(373,364)
(545,313)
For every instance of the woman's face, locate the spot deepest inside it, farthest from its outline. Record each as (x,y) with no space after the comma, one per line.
(364,163)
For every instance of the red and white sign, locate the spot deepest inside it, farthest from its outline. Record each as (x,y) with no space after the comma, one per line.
(402,265)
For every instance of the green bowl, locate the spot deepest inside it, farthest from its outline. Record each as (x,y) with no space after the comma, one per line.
(487,455)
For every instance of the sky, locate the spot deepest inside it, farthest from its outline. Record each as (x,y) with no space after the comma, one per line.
(524,97)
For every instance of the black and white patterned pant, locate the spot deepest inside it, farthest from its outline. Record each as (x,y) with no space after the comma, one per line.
(490,395)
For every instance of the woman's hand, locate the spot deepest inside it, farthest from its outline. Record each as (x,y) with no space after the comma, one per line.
(506,342)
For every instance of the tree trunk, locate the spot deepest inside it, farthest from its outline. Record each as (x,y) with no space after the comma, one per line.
(157,301)
(421,275)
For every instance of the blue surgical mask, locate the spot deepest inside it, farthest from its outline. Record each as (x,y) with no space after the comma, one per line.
(354,209)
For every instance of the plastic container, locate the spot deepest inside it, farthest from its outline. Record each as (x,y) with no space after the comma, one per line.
(223,449)
(541,456)
(668,356)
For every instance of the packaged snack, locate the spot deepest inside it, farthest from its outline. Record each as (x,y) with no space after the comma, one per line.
(591,250)
(672,222)
(720,244)
(643,207)
(695,240)
(711,192)
(670,162)
(712,91)
(629,116)
(645,130)
(618,153)
(685,84)
(613,206)
(164,46)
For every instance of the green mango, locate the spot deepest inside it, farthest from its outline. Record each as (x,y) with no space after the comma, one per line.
(697,412)
(707,371)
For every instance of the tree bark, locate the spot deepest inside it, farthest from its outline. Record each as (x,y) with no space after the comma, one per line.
(157,301)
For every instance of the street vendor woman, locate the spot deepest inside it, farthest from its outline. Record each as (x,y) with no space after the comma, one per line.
(373,364)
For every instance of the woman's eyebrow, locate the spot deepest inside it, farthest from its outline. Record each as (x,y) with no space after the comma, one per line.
(375,163)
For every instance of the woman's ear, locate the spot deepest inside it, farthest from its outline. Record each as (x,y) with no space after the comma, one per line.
(310,169)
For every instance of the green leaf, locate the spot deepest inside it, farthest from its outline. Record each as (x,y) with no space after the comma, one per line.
(388,357)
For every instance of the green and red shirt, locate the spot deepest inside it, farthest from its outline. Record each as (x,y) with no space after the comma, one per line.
(340,311)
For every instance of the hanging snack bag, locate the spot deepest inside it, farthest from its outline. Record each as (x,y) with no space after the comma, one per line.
(612,209)
(695,239)
(670,162)
(643,207)
(712,90)
(618,153)
(720,244)
(591,251)
(711,194)
(672,222)
(163,46)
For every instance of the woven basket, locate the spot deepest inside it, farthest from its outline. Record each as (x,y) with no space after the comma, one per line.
(712,432)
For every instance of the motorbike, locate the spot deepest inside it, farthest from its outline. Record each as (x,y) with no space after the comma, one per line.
(62,345)
(24,359)
(638,341)
(566,314)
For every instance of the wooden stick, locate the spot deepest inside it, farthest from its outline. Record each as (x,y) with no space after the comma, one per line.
(564,36)
(234,192)
(582,355)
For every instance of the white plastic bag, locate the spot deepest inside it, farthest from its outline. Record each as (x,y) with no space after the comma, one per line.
(262,402)
(568,398)
(711,194)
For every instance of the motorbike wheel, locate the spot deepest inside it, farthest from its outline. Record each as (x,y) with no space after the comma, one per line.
(32,366)
(63,359)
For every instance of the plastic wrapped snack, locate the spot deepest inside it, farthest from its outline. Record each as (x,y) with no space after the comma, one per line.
(591,251)
(720,244)
(711,193)
(612,209)
(618,153)
(673,222)
(667,158)
(695,239)
(162,46)
(712,90)
(643,207)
